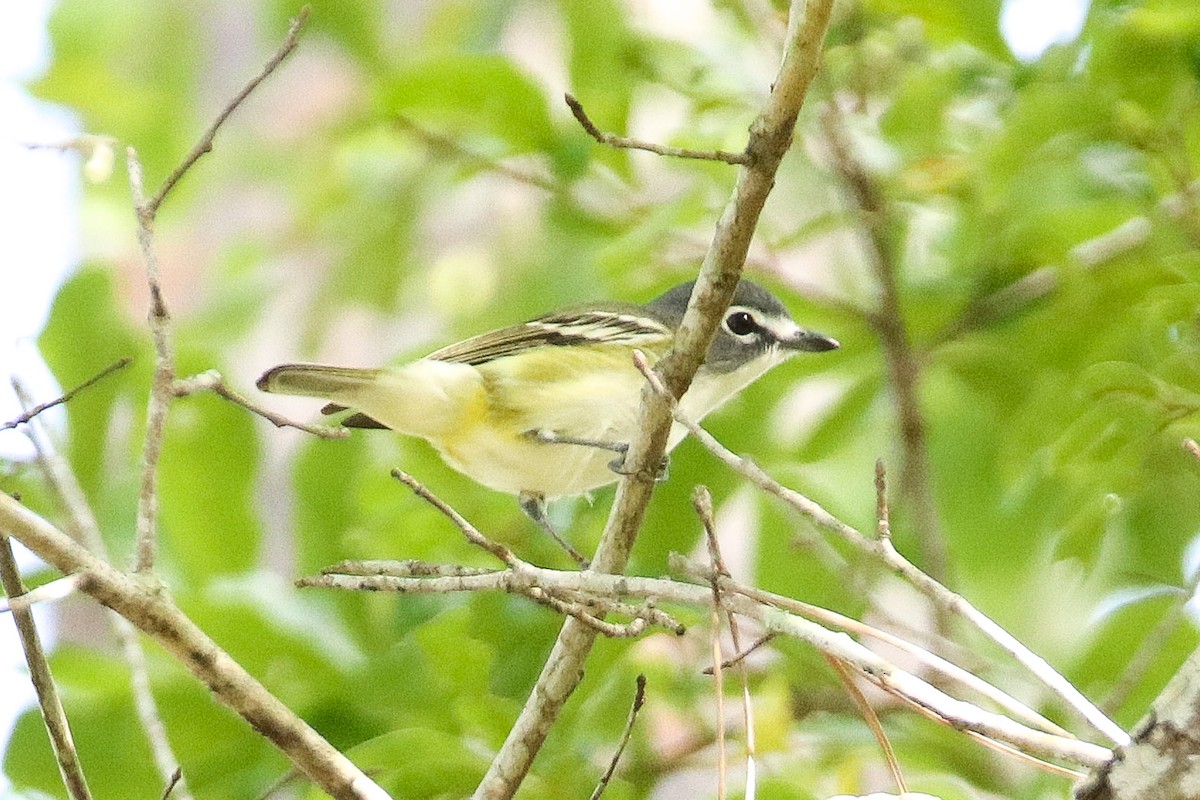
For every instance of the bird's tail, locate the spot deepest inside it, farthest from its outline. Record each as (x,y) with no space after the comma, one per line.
(339,384)
(431,399)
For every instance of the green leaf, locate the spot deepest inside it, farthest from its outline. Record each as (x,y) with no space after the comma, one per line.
(421,763)
(464,94)
(209,459)
(85,333)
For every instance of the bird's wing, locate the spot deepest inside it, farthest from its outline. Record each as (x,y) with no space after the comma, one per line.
(620,325)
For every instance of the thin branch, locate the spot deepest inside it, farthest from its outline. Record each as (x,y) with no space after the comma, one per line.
(563,605)
(176,777)
(499,551)
(613,630)
(212,381)
(40,407)
(526,580)
(770,138)
(883,550)
(881,231)
(988,742)
(872,720)
(155,614)
(741,655)
(629,143)
(639,697)
(411,568)
(735,637)
(205,145)
(743,600)
(883,524)
(159,318)
(50,592)
(702,503)
(53,715)
(159,402)
(86,530)
(948,669)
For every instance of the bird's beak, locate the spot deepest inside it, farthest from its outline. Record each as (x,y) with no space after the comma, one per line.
(809,342)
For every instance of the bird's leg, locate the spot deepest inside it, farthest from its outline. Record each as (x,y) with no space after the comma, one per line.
(534,506)
(617,465)
(550,437)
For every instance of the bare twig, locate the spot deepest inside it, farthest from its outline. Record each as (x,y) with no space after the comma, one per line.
(56,589)
(872,720)
(212,381)
(613,630)
(639,697)
(883,550)
(156,615)
(176,777)
(86,530)
(883,524)
(40,407)
(53,715)
(411,568)
(205,145)
(741,655)
(472,533)
(563,605)
(702,503)
(159,318)
(775,617)
(770,138)
(416,577)
(988,742)
(629,143)
(159,403)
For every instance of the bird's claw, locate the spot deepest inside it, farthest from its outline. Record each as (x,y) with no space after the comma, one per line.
(617,465)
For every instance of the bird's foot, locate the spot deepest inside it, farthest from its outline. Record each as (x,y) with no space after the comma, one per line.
(617,465)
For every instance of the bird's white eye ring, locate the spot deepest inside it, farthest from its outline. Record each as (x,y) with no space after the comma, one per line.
(740,323)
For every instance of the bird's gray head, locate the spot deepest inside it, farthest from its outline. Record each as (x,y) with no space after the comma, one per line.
(756,324)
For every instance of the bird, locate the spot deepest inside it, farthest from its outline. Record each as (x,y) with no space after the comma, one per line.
(538,409)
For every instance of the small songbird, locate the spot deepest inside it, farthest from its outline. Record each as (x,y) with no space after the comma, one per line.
(538,409)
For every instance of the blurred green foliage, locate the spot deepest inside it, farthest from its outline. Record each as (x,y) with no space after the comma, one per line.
(1057,384)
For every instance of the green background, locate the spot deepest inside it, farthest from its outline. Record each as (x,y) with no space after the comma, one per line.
(321,227)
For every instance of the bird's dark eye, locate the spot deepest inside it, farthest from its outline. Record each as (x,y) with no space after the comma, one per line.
(740,323)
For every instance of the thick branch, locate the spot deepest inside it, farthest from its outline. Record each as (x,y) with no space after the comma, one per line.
(1161,763)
